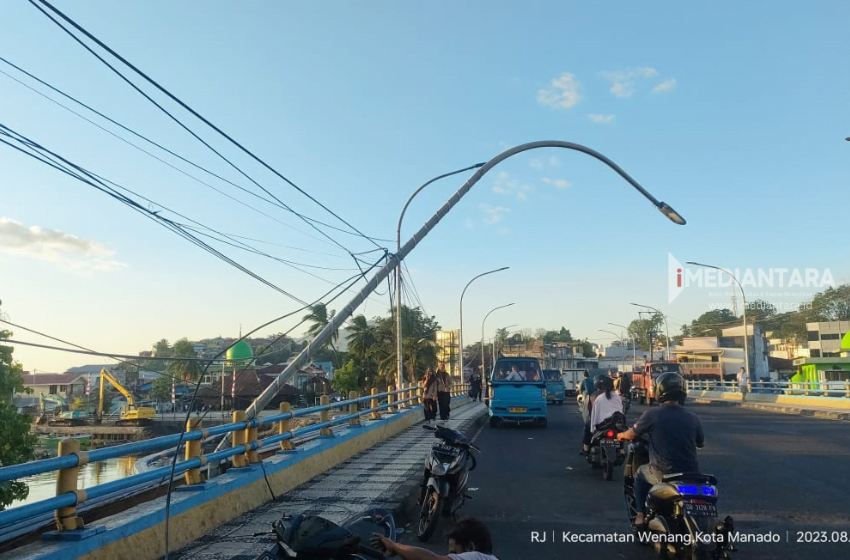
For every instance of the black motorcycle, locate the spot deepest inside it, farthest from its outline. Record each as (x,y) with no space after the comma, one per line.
(606,451)
(447,471)
(681,512)
(312,537)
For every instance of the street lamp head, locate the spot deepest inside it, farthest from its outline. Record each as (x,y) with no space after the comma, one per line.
(671,214)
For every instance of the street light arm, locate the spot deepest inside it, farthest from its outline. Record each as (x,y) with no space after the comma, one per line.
(460,330)
(398,257)
(417,191)
(477,277)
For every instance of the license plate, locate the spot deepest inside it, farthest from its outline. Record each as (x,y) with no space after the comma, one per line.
(516,409)
(447,449)
(701,510)
(609,443)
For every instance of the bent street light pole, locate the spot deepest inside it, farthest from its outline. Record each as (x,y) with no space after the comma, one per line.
(460,331)
(483,369)
(399,376)
(666,328)
(744,298)
(263,399)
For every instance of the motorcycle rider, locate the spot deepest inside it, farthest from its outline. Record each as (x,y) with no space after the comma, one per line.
(606,402)
(601,385)
(469,539)
(674,433)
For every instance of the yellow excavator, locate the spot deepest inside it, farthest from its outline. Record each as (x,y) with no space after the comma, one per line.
(133,415)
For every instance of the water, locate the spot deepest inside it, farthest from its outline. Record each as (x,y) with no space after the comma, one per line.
(43,486)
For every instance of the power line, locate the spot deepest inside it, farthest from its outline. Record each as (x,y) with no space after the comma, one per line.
(154,143)
(186,107)
(134,205)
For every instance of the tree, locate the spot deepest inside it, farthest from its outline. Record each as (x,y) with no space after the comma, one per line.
(647,332)
(320,318)
(346,378)
(184,370)
(161,388)
(760,311)
(710,323)
(832,304)
(18,444)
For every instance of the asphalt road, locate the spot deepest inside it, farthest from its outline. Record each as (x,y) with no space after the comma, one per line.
(777,473)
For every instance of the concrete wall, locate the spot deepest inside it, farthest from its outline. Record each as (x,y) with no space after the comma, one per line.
(791,400)
(139,533)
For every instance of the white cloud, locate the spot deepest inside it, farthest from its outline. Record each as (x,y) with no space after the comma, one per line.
(665,86)
(563,93)
(554,160)
(71,252)
(604,119)
(559,183)
(536,164)
(623,81)
(494,213)
(506,185)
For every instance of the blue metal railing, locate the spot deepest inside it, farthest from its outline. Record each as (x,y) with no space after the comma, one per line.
(98,492)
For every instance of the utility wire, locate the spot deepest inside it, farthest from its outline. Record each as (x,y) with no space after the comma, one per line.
(152,142)
(92,181)
(192,111)
(198,386)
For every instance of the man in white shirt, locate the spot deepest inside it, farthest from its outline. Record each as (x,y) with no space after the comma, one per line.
(742,383)
(468,540)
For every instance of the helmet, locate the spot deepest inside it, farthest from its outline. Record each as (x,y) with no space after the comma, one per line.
(604,383)
(670,387)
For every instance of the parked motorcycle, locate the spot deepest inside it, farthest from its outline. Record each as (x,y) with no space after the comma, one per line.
(312,537)
(606,451)
(447,471)
(681,512)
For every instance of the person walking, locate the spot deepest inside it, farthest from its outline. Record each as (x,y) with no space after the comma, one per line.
(444,388)
(429,395)
(743,382)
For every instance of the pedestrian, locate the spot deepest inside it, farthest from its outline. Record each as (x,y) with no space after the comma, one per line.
(444,395)
(743,381)
(475,386)
(429,395)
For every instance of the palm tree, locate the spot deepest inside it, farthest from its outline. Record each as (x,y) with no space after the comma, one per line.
(361,337)
(321,318)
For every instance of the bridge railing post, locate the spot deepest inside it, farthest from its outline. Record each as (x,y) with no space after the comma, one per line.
(239,438)
(66,481)
(353,408)
(400,398)
(285,426)
(325,416)
(193,450)
(373,404)
(391,399)
(847,389)
(420,395)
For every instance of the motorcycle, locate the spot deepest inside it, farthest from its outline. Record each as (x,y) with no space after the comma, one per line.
(681,512)
(447,471)
(312,537)
(606,451)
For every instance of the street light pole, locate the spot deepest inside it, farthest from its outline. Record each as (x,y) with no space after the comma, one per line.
(269,392)
(744,298)
(460,331)
(399,376)
(483,369)
(666,328)
(634,347)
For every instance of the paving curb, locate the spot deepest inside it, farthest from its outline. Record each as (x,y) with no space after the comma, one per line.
(794,410)
(406,496)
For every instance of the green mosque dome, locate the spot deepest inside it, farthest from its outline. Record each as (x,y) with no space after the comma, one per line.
(241,351)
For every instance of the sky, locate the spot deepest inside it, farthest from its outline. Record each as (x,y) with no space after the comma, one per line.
(735,114)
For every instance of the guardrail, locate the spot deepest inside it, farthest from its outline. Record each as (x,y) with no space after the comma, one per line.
(243,452)
(826,389)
